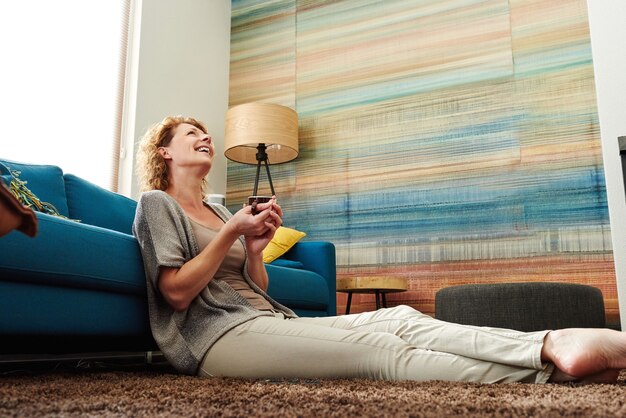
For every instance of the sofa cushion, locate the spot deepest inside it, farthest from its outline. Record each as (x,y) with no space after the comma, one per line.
(295,288)
(45,181)
(74,255)
(93,205)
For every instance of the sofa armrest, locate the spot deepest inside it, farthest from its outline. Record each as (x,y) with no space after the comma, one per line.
(319,257)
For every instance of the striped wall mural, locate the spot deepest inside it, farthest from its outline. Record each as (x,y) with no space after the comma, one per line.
(445,141)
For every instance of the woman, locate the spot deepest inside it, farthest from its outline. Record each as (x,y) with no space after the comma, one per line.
(210,313)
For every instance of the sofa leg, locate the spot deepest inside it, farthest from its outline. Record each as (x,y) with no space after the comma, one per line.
(154,357)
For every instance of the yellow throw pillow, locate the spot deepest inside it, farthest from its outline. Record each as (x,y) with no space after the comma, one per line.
(283,240)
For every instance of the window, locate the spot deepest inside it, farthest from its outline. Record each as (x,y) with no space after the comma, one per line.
(60,84)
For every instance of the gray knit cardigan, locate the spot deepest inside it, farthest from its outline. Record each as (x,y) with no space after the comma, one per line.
(166,239)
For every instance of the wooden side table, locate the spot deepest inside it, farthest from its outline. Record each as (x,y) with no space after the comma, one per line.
(378,285)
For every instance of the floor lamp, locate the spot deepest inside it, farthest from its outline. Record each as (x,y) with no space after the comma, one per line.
(261,134)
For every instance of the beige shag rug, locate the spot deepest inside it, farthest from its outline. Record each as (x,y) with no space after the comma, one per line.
(163,393)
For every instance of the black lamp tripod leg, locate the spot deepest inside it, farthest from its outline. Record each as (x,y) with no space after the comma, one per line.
(256,179)
(269,177)
(261,156)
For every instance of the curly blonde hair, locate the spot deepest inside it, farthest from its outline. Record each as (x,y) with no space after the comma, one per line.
(150,167)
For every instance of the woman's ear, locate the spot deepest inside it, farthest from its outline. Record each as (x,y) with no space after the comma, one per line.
(164,153)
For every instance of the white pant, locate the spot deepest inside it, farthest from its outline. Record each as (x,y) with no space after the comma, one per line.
(392,344)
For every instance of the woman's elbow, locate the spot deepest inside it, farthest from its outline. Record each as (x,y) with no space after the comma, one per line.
(170,289)
(178,304)
(177,300)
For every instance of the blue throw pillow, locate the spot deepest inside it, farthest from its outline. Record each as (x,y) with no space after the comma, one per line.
(23,194)
(44,181)
(5,175)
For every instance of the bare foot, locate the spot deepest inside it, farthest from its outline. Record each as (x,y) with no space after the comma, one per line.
(585,352)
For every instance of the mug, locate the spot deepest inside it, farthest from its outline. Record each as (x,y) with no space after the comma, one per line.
(255,200)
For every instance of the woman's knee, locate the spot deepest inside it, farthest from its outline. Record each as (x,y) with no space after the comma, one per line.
(404,311)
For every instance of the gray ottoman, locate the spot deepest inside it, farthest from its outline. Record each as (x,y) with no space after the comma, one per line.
(522,306)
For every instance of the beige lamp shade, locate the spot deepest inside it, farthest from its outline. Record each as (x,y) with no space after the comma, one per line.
(251,124)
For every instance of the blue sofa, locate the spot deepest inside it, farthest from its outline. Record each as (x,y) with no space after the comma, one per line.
(80,287)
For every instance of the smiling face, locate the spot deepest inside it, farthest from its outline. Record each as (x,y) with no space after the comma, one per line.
(189,146)
(154,163)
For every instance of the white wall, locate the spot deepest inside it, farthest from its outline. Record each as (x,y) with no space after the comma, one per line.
(179,62)
(608,41)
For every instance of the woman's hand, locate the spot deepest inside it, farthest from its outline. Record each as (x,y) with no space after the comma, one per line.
(259,230)
(270,213)
(268,217)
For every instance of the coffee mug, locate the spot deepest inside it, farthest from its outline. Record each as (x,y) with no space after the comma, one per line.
(255,200)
